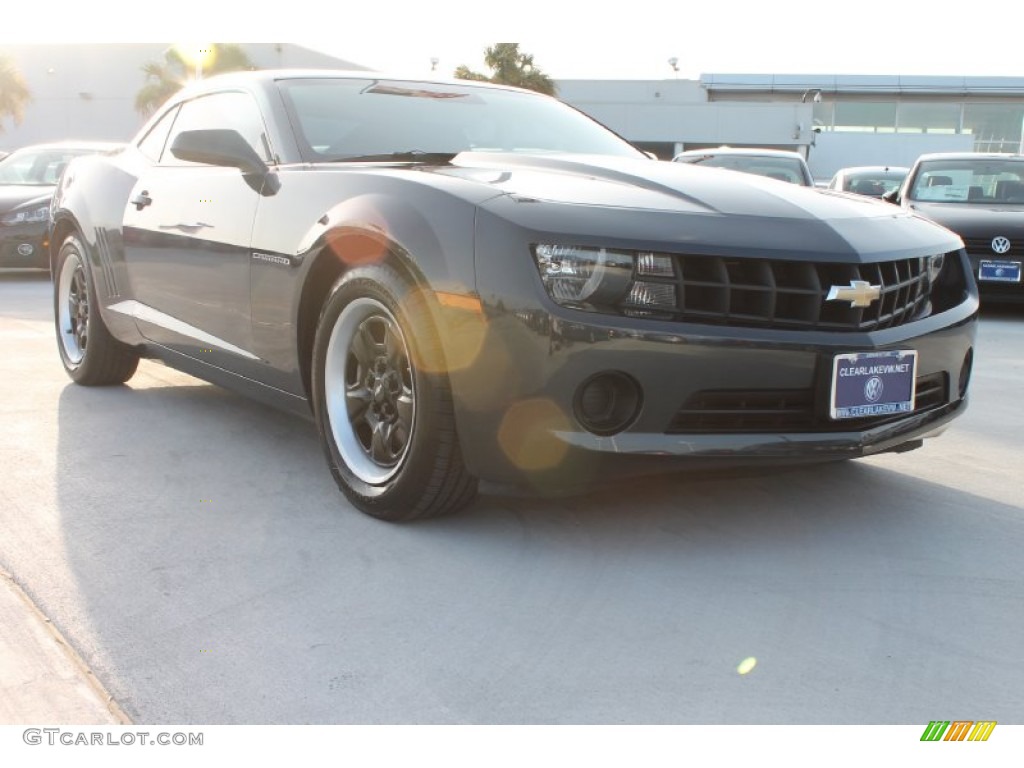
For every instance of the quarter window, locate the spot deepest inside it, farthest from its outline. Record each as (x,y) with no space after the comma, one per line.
(153,143)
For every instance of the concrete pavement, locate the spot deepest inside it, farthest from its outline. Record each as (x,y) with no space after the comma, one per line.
(193,548)
(42,679)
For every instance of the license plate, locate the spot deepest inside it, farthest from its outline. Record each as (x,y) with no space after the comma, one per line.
(873,384)
(999,271)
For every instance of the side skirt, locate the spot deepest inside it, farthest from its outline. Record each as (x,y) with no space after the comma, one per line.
(275,398)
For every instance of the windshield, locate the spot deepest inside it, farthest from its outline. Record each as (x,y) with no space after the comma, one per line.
(968,181)
(874,183)
(339,119)
(36,167)
(780,168)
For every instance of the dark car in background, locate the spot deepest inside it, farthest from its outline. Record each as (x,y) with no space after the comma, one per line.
(980,197)
(869,180)
(460,281)
(778,164)
(28,177)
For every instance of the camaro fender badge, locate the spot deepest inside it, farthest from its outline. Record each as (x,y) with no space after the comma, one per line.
(1000,244)
(269,257)
(859,293)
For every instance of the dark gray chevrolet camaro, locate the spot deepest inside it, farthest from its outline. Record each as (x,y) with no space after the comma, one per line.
(461,281)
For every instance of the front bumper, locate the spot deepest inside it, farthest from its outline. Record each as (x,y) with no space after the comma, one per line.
(994,290)
(518,366)
(24,245)
(516,403)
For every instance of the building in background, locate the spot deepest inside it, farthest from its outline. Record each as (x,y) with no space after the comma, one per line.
(88,91)
(836,121)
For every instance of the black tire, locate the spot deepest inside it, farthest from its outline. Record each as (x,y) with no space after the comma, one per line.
(383,405)
(91,356)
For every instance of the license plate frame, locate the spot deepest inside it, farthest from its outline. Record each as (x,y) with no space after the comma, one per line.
(998,271)
(868,384)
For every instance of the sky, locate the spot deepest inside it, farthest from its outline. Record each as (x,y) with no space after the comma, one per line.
(633,39)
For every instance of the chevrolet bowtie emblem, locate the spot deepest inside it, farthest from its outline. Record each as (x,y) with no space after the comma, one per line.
(859,293)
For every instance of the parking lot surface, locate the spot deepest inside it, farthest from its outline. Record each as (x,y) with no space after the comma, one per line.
(193,548)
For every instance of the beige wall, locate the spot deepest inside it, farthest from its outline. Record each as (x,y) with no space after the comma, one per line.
(88,91)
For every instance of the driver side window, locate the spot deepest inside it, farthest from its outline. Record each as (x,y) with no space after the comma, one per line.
(233,110)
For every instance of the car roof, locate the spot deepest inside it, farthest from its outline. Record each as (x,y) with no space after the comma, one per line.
(872,169)
(99,146)
(753,151)
(273,75)
(971,156)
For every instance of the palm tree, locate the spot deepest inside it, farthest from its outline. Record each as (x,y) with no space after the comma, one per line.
(510,67)
(165,78)
(14,93)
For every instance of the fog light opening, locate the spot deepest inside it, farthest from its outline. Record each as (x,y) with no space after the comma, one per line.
(965,372)
(607,403)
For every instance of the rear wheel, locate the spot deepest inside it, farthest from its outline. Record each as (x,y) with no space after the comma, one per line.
(386,422)
(90,355)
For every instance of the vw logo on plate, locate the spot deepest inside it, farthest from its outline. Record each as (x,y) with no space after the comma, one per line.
(1000,244)
(873,389)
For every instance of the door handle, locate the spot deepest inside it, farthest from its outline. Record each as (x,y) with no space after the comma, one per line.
(141,200)
(186,225)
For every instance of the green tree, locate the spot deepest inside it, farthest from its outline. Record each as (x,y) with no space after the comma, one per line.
(14,93)
(165,78)
(510,67)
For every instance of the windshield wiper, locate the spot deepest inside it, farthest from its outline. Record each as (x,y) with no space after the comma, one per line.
(410,156)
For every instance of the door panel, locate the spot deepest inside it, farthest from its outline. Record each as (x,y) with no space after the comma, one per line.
(187,248)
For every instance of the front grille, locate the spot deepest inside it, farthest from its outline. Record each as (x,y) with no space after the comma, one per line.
(789,295)
(982,247)
(786,410)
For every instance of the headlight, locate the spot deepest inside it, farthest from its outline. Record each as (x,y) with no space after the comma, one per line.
(575,276)
(604,278)
(41,213)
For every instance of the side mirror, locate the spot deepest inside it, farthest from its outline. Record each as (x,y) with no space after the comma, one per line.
(218,147)
(892,196)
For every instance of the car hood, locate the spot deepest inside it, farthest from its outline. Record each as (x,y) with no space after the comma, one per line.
(764,214)
(970,220)
(649,184)
(12,196)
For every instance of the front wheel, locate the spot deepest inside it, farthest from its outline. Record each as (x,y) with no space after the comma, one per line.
(90,355)
(386,421)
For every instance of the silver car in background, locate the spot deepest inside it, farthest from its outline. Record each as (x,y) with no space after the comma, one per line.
(778,164)
(869,180)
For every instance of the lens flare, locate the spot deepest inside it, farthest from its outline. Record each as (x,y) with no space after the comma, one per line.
(461,329)
(526,434)
(747,665)
(465,329)
(200,56)
(356,249)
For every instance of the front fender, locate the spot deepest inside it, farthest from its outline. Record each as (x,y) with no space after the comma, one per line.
(370,228)
(311,232)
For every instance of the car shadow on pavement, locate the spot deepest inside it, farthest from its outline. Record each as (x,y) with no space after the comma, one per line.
(1004,311)
(219,576)
(24,276)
